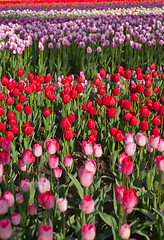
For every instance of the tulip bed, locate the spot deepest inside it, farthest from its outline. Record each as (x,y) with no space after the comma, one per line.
(82,122)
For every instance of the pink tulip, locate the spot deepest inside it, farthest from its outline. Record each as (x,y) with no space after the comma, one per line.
(19,198)
(37,150)
(62,204)
(119,191)
(5,229)
(97,150)
(57,172)
(149,148)
(43,185)
(86,178)
(88,232)
(27,156)
(80,170)
(129,138)
(141,139)
(125,231)
(45,232)
(68,161)
(1,169)
(52,146)
(159,161)
(130,149)
(4,157)
(22,166)
(3,206)
(154,141)
(87,147)
(53,161)
(122,156)
(129,198)
(47,199)
(6,145)
(90,165)
(15,218)
(25,185)
(9,197)
(87,205)
(127,166)
(161,145)
(32,209)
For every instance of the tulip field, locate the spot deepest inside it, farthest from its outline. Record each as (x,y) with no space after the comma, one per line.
(81,120)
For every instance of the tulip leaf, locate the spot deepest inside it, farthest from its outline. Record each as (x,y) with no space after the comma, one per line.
(146,213)
(77,184)
(142,233)
(158,212)
(109,220)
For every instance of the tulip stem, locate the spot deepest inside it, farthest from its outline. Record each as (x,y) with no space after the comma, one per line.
(162,127)
(159,189)
(6,175)
(125,217)
(84,189)
(151,168)
(63,224)
(118,152)
(119,219)
(139,159)
(48,216)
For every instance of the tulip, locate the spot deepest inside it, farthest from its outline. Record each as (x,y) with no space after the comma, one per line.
(97,150)
(32,209)
(47,199)
(119,191)
(25,185)
(86,178)
(87,147)
(88,232)
(52,146)
(5,229)
(3,206)
(6,145)
(62,204)
(130,149)
(19,198)
(90,165)
(45,232)
(57,172)
(125,231)
(27,156)
(37,150)
(161,146)
(68,161)
(43,185)
(53,161)
(87,205)
(141,139)
(129,138)
(9,197)
(4,157)
(129,198)
(15,218)
(127,166)
(154,141)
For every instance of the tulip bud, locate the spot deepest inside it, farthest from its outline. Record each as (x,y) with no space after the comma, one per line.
(87,205)
(97,150)
(125,231)
(45,232)
(68,161)
(25,185)
(37,150)
(43,185)
(88,232)
(32,210)
(86,178)
(15,218)
(53,161)
(5,229)
(62,204)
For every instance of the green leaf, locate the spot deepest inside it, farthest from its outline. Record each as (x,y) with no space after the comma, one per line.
(146,213)
(77,184)
(109,220)
(142,233)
